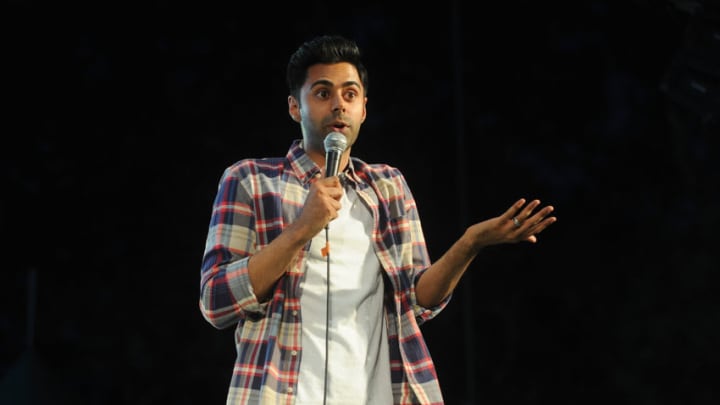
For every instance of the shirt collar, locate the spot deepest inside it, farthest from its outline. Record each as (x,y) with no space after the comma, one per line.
(305,168)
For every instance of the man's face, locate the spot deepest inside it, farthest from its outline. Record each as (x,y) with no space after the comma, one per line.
(332,99)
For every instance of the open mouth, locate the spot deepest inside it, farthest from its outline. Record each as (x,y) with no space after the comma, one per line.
(339,126)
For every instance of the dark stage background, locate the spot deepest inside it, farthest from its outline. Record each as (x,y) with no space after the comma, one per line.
(119,120)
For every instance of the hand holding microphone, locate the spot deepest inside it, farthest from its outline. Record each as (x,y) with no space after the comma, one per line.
(323,201)
(335,144)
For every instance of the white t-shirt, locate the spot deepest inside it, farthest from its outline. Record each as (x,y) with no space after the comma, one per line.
(358,357)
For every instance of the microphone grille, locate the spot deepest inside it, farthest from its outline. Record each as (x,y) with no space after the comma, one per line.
(335,141)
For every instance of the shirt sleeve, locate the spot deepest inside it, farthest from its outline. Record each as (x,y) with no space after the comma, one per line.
(226,295)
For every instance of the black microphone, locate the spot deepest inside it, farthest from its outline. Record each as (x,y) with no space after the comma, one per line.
(335,144)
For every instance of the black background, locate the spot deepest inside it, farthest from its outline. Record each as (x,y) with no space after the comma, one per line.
(120,118)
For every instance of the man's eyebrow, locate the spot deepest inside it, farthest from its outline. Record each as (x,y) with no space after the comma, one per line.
(328,83)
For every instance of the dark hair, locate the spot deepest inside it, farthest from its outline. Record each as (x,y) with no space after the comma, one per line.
(325,49)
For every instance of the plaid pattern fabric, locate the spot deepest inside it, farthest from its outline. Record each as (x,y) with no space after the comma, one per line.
(255,199)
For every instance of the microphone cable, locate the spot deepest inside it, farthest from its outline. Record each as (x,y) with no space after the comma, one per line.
(326,251)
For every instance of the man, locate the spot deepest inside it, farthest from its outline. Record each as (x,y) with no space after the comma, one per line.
(327,278)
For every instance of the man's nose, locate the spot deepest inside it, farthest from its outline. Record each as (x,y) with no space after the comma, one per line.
(338,103)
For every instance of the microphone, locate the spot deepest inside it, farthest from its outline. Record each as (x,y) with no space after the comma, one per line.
(335,144)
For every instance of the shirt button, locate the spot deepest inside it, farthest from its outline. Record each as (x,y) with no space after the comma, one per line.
(289,390)
(294,312)
(293,353)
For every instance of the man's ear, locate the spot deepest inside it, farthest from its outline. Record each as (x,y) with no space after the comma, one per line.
(294,108)
(364,114)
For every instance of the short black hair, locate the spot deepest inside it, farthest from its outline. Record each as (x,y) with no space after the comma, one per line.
(324,49)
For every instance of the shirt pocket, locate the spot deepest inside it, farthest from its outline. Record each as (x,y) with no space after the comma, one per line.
(396,235)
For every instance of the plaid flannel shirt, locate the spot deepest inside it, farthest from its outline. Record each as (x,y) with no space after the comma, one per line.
(255,199)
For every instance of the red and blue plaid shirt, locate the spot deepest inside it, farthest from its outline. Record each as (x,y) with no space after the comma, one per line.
(256,199)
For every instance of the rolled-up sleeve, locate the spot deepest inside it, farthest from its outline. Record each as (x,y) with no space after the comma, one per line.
(226,294)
